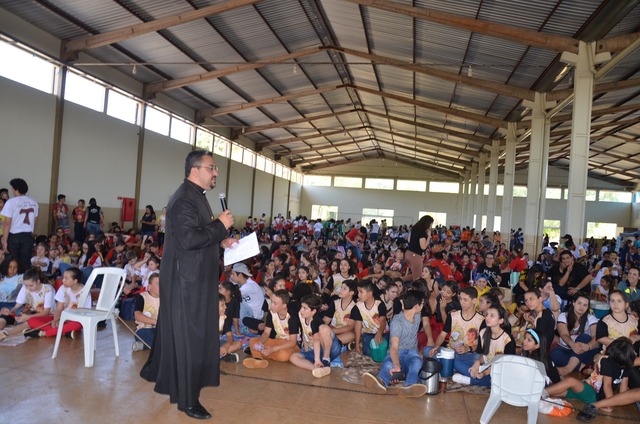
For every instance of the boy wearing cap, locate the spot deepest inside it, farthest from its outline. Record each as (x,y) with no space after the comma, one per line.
(252,295)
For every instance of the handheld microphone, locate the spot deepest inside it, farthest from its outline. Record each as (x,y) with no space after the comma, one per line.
(223,201)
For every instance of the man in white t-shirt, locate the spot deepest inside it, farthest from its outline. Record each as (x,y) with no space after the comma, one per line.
(252,294)
(21,215)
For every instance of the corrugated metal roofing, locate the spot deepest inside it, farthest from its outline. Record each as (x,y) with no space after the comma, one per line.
(272,28)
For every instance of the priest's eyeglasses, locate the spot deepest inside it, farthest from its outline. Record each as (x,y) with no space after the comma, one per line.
(211,168)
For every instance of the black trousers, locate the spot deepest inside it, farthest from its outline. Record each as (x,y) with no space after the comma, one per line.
(20,246)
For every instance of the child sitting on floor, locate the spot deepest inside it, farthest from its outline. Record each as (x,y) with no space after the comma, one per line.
(612,370)
(67,297)
(338,314)
(228,344)
(35,299)
(403,356)
(494,339)
(146,313)
(280,337)
(370,316)
(319,345)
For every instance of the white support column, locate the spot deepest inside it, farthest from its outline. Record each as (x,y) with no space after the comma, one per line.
(493,185)
(482,163)
(462,188)
(509,174)
(469,203)
(473,199)
(537,173)
(584,72)
(466,205)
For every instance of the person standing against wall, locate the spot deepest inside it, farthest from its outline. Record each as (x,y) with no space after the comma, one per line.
(94,218)
(21,216)
(186,350)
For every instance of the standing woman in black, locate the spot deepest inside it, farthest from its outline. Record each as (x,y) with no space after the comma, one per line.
(418,242)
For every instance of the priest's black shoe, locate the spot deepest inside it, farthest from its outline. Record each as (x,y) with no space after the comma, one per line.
(197,411)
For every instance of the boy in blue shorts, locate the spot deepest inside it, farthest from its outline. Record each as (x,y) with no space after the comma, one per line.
(320,345)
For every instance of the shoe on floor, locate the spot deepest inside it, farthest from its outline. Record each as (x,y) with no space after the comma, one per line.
(321,372)
(31,333)
(253,363)
(137,346)
(231,357)
(351,346)
(414,390)
(588,413)
(247,351)
(461,379)
(373,383)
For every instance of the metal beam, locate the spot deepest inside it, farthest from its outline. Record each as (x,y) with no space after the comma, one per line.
(153,88)
(492,86)
(264,144)
(466,136)
(420,165)
(321,147)
(279,99)
(566,117)
(259,128)
(498,123)
(329,165)
(453,161)
(70,48)
(598,88)
(334,156)
(428,142)
(519,35)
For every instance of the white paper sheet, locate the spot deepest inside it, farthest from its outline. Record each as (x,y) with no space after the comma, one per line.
(247,247)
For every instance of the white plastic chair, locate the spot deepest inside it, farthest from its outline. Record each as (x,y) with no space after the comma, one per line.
(518,381)
(112,285)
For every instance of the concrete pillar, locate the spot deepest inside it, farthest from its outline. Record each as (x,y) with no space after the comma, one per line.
(469,200)
(584,62)
(537,174)
(473,199)
(509,174)
(482,162)
(493,185)
(462,203)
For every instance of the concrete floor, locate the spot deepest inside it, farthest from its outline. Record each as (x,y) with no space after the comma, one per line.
(38,389)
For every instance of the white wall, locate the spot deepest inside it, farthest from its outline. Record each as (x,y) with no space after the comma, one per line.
(262,194)
(162,169)
(26,122)
(240,187)
(280,197)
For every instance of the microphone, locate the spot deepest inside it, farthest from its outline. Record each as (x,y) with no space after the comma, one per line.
(223,201)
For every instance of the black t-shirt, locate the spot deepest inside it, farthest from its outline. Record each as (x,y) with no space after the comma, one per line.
(609,368)
(146,227)
(578,273)
(451,306)
(93,214)
(232,311)
(414,241)
(492,273)
(546,326)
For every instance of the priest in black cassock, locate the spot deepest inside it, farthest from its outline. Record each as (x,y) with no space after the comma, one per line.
(185,354)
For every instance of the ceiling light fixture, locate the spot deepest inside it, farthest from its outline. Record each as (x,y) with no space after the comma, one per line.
(469,72)
(134,71)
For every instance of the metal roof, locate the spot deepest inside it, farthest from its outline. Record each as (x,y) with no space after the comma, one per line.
(328,82)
